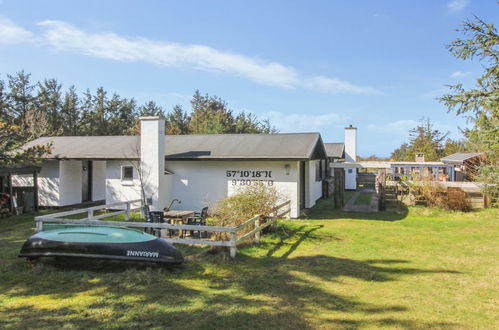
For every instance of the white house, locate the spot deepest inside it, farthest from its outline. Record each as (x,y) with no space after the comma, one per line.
(199,170)
(344,155)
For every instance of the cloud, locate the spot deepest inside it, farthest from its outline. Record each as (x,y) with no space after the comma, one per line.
(456,6)
(458,74)
(328,85)
(10,33)
(62,36)
(403,126)
(397,126)
(293,122)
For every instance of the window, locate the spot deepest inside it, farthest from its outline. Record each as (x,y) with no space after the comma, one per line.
(127,173)
(350,170)
(320,168)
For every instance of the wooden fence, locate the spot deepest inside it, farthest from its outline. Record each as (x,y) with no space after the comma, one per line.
(452,189)
(257,224)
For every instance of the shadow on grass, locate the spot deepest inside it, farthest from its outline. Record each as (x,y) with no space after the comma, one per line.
(268,292)
(324,209)
(272,291)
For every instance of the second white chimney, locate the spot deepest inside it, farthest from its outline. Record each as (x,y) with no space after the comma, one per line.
(351,143)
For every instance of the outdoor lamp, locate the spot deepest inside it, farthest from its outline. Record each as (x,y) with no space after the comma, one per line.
(287,167)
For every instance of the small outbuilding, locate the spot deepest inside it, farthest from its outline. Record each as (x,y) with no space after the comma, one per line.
(465,164)
(27,193)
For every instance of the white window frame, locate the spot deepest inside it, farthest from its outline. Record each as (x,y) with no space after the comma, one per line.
(126,181)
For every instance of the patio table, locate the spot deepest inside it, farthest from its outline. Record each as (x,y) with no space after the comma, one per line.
(178,217)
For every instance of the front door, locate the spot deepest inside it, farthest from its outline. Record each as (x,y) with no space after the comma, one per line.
(302,185)
(86,181)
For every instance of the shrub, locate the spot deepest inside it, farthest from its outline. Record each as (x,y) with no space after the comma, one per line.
(431,193)
(242,206)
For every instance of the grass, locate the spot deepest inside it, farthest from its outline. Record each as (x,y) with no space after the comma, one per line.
(364,198)
(413,268)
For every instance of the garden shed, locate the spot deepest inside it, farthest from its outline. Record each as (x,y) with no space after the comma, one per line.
(26,196)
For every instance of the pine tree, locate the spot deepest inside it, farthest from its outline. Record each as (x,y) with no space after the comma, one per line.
(48,105)
(70,113)
(20,99)
(177,122)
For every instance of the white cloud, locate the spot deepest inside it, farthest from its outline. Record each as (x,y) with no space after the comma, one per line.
(458,74)
(399,127)
(66,37)
(456,6)
(293,122)
(329,85)
(10,33)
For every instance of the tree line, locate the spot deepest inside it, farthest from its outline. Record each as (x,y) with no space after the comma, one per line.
(47,109)
(427,140)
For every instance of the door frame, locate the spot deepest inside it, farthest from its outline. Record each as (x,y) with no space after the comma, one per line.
(303,186)
(89,179)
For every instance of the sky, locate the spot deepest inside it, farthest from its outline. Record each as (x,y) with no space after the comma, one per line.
(308,66)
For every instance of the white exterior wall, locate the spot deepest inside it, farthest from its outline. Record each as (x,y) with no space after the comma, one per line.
(350,156)
(313,188)
(48,183)
(98,180)
(70,182)
(350,177)
(204,183)
(118,190)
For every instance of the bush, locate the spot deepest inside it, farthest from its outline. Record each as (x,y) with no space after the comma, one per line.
(431,193)
(242,206)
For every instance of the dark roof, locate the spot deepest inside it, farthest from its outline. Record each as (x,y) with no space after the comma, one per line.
(335,150)
(459,158)
(214,146)
(20,169)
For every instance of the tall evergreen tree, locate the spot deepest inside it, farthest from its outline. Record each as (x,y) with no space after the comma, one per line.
(423,139)
(48,104)
(177,122)
(481,102)
(70,113)
(151,109)
(100,113)
(87,125)
(20,98)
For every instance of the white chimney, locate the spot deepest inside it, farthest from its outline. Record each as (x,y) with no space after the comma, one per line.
(351,143)
(152,161)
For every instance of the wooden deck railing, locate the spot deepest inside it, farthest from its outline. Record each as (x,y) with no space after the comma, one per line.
(257,223)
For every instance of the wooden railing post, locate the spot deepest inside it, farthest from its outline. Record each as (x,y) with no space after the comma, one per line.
(127,212)
(233,247)
(39,225)
(257,233)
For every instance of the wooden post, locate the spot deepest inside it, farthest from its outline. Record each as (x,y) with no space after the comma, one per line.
(257,233)
(127,212)
(9,181)
(35,190)
(39,225)
(233,248)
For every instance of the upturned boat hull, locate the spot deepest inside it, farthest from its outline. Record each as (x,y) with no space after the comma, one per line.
(101,242)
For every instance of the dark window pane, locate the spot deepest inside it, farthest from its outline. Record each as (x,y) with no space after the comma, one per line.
(127,173)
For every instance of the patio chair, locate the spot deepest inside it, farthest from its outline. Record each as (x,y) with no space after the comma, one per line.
(199,219)
(156,217)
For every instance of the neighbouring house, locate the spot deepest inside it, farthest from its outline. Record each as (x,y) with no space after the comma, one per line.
(344,155)
(465,164)
(199,170)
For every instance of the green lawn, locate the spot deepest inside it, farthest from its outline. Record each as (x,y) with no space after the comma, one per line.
(414,268)
(364,198)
